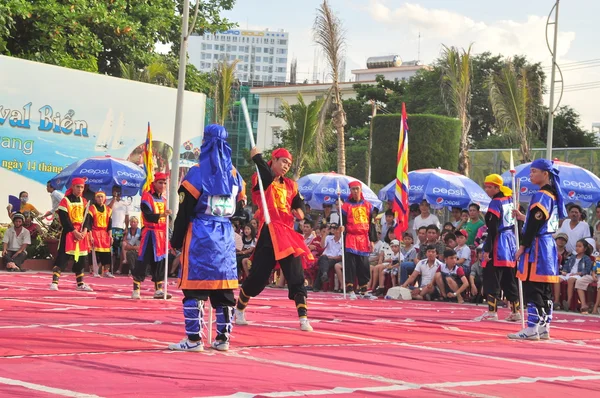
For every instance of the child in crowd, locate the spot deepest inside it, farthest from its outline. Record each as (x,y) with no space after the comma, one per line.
(450,240)
(426,269)
(389,267)
(581,285)
(476,277)
(463,252)
(450,278)
(577,266)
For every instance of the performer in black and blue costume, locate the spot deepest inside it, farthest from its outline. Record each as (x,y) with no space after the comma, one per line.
(537,255)
(208,197)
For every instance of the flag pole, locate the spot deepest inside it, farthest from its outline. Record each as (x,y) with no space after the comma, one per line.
(166,242)
(339,195)
(516,190)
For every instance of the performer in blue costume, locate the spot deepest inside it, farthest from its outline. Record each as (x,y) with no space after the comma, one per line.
(499,251)
(208,196)
(537,256)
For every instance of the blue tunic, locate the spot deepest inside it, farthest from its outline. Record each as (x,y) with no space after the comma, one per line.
(539,263)
(504,246)
(208,255)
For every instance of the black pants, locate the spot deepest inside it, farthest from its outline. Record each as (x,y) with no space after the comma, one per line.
(218,298)
(498,279)
(538,293)
(263,264)
(157,267)
(357,267)
(325,264)
(11,258)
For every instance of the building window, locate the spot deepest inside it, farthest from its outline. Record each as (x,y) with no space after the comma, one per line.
(281,51)
(282,42)
(258,49)
(275,132)
(266,50)
(235,39)
(272,41)
(282,60)
(245,58)
(215,56)
(280,70)
(209,46)
(258,59)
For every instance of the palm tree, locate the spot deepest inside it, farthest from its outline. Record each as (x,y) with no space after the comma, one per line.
(305,133)
(156,72)
(328,35)
(516,98)
(456,91)
(225,79)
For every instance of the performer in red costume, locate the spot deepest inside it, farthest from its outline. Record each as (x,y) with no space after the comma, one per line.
(102,233)
(277,242)
(357,214)
(73,246)
(152,246)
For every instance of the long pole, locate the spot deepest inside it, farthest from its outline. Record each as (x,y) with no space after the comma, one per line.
(374,112)
(339,194)
(552,83)
(166,244)
(179,107)
(516,189)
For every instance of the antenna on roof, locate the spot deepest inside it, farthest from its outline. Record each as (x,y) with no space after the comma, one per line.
(419,49)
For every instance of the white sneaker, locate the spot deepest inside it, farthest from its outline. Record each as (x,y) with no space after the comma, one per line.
(97,275)
(368,296)
(514,317)
(187,345)
(160,294)
(136,295)
(54,287)
(240,317)
(526,334)
(487,316)
(544,332)
(84,288)
(220,345)
(352,296)
(305,325)
(108,275)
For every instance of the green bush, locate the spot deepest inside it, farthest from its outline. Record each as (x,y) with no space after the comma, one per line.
(433,141)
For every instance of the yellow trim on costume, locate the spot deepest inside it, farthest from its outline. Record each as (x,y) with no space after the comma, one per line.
(209,285)
(301,306)
(548,193)
(191,189)
(542,208)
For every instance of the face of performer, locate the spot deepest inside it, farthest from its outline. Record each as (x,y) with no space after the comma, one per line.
(100,199)
(78,189)
(355,193)
(281,166)
(160,186)
(539,177)
(491,189)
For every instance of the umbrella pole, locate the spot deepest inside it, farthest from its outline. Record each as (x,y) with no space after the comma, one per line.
(343,245)
(166,244)
(516,189)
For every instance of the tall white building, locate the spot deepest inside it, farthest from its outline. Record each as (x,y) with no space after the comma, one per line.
(262,55)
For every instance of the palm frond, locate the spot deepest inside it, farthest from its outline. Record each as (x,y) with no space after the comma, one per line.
(225,79)
(329,35)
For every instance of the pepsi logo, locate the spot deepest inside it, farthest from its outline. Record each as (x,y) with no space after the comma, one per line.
(571,194)
(523,189)
(327,198)
(123,182)
(439,200)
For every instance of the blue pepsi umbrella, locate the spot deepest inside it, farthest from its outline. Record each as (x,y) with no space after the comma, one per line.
(321,188)
(440,188)
(102,173)
(578,184)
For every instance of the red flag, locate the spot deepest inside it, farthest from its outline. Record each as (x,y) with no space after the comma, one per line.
(400,205)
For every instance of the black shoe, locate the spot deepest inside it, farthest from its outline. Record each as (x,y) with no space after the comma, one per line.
(324,278)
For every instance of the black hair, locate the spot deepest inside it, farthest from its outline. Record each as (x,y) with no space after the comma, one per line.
(389,212)
(449,253)
(387,239)
(409,235)
(448,237)
(433,227)
(449,224)
(574,205)
(475,205)
(309,222)
(423,227)
(252,231)
(21,193)
(430,247)
(587,247)
(464,211)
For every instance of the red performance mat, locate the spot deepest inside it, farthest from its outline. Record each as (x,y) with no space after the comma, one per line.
(103,344)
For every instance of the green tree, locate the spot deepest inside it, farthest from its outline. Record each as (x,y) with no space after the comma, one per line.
(329,36)
(516,98)
(96,35)
(456,89)
(567,132)
(156,72)
(225,80)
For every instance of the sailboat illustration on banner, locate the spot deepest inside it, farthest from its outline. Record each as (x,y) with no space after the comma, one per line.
(107,139)
(117,140)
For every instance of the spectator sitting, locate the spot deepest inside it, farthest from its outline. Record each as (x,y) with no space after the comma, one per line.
(332,253)
(475,222)
(24,206)
(463,252)
(254,223)
(433,239)
(476,277)
(426,269)
(388,266)
(456,217)
(575,228)
(426,218)
(409,252)
(15,242)
(421,238)
(329,217)
(248,245)
(450,278)
(561,241)
(387,222)
(377,247)
(581,285)
(449,227)
(131,244)
(385,252)
(34,229)
(414,212)
(450,240)
(578,265)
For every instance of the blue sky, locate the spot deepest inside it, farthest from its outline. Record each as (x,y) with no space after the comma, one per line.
(382,27)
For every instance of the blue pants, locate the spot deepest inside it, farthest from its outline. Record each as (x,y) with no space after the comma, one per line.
(406,268)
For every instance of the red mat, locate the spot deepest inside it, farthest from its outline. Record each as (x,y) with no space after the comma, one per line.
(103,344)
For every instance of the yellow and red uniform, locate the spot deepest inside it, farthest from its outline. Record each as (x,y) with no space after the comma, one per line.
(74,207)
(100,227)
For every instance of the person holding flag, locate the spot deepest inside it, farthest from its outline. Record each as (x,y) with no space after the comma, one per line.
(278,242)
(357,216)
(73,246)
(537,255)
(209,195)
(499,251)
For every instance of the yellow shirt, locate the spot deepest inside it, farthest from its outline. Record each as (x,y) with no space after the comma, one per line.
(28,207)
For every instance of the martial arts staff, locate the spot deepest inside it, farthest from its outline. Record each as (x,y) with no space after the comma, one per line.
(152,246)
(499,272)
(359,238)
(208,197)
(73,246)
(102,233)
(277,242)
(537,255)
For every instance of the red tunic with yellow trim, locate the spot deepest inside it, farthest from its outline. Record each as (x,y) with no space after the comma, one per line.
(74,207)
(279,197)
(153,232)
(101,224)
(539,263)
(358,223)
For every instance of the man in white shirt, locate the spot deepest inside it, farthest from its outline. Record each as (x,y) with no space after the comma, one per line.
(574,228)
(426,269)
(15,242)
(56,196)
(120,220)
(426,218)
(332,254)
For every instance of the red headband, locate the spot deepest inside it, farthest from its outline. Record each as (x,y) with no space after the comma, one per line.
(354,184)
(78,181)
(281,153)
(160,176)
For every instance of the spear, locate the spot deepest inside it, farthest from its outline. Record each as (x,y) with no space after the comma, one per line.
(339,195)
(513,173)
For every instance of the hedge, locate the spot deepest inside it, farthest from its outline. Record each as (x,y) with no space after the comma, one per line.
(433,141)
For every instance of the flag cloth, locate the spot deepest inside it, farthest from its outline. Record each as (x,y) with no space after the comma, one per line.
(148,163)
(400,205)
